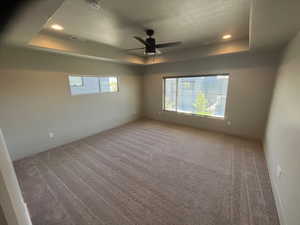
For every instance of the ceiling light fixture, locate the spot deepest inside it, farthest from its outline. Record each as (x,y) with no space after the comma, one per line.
(150,53)
(57,27)
(227,36)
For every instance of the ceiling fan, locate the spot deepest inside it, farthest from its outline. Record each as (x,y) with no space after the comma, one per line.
(151,48)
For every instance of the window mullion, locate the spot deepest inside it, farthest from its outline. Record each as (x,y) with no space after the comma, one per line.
(99,80)
(177,94)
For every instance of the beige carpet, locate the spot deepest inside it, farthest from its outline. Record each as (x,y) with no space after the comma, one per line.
(152,173)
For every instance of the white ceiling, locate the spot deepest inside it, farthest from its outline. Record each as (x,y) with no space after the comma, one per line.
(194,22)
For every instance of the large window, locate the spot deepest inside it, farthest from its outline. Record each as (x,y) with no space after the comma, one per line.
(200,95)
(108,84)
(91,84)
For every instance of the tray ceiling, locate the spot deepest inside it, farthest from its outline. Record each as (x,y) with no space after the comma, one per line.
(194,22)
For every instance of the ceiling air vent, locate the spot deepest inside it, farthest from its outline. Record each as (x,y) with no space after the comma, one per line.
(94,4)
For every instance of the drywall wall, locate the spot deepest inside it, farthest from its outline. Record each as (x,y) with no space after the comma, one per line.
(250,88)
(35,99)
(282,135)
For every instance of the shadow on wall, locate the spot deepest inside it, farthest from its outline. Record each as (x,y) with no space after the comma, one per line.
(228,61)
(282,136)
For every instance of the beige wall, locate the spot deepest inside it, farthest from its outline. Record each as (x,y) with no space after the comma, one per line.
(35,99)
(250,89)
(282,142)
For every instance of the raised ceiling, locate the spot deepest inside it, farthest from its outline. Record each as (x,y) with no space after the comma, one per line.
(104,34)
(194,22)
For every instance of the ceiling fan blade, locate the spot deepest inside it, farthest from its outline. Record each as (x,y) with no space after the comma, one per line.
(132,49)
(141,40)
(166,45)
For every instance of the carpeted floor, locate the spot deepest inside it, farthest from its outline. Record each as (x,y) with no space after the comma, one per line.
(2,218)
(149,172)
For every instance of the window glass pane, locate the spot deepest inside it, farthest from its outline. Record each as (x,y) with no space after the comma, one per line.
(88,85)
(75,81)
(201,95)
(170,94)
(108,84)
(186,95)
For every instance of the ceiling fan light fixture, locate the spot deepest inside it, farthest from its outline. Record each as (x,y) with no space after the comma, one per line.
(150,53)
(227,36)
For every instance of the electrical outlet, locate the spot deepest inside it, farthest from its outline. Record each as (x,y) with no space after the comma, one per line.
(51,135)
(278,171)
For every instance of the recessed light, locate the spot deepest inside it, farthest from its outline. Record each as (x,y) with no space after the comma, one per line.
(57,27)
(227,36)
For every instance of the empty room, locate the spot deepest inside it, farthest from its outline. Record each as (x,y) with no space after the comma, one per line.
(138,112)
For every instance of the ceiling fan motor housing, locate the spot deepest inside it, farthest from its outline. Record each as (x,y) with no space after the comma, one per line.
(150,48)
(149,32)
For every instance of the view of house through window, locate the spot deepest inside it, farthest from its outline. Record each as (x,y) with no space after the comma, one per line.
(92,84)
(201,95)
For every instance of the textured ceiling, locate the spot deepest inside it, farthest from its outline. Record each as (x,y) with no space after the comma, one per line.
(194,22)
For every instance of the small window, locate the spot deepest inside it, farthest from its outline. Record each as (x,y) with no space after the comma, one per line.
(198,95)
(92,85)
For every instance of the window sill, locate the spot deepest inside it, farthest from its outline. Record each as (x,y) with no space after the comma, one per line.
(194,115)
(96,93)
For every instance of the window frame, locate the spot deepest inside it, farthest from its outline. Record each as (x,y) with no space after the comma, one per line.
(97,76)
(189,76)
